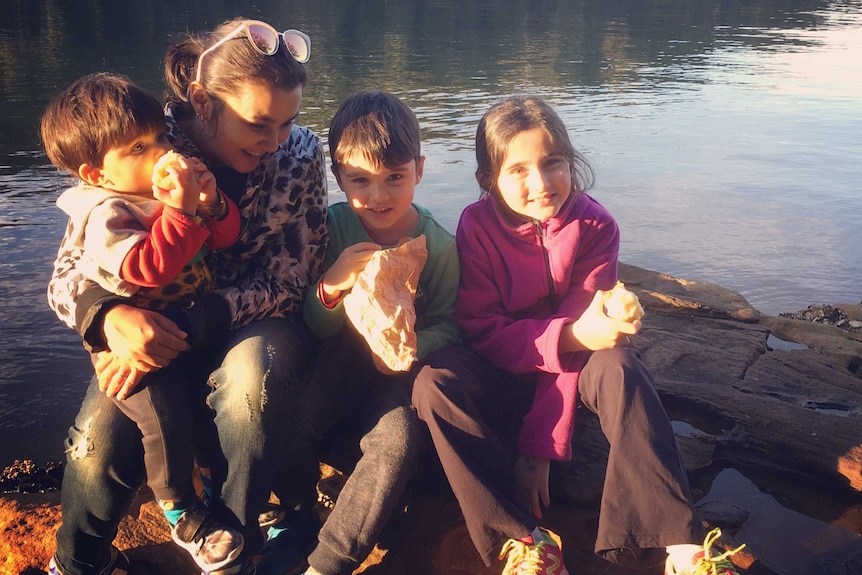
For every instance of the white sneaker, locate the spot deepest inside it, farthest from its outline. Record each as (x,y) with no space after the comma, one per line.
(211,544)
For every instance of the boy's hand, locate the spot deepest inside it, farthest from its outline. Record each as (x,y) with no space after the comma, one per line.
(116,377)
(531,476)
(594,330)
(346,269)
(178,185)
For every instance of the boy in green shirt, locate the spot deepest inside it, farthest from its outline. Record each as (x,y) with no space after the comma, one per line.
(374,144)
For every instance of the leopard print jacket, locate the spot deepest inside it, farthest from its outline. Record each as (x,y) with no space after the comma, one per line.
(276,258)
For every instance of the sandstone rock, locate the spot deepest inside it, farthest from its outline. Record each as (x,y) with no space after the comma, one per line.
(27,526)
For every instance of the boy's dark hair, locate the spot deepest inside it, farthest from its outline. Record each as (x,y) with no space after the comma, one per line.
(376,125)
(96,113)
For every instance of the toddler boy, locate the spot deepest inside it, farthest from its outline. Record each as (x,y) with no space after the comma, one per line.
(144,219)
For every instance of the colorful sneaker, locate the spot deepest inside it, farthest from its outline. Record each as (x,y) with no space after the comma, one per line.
(211,544)
(117,565)
(704,562)
(541,558)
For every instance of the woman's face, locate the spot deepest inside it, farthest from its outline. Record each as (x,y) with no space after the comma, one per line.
(251,123)
(535,179)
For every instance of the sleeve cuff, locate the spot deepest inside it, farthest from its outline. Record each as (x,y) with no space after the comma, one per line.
(90,312)
(321,295)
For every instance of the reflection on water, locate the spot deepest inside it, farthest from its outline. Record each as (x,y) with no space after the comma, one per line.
(44,366)
(773,532)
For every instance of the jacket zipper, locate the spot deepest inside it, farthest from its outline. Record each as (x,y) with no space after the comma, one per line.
(550,280)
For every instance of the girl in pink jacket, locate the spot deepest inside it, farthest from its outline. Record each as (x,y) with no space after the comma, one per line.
(537,254)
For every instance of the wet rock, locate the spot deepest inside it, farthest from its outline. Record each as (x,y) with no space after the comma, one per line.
(723,514)
(835,567)
(24,476)
(837,316)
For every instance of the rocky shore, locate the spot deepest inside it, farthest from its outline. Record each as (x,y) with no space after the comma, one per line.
(840,316)
(775,395)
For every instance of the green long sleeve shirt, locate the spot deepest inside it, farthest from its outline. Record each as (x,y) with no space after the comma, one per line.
(436,292)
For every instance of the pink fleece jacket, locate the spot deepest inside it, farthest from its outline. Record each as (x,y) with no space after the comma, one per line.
(521,282)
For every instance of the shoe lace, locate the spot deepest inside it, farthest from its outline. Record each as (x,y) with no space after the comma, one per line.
(710,564)
(525,559)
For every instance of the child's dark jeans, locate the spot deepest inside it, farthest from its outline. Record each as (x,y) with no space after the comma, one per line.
(347,404)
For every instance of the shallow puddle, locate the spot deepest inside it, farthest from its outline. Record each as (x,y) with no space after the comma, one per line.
(824,536)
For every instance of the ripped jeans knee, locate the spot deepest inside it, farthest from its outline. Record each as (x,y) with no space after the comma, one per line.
(79,443)
(108,440)
(104,468)
(260,369)
(252,394)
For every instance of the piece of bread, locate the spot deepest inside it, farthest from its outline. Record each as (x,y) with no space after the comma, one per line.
(380,304)
(161,176)
(622,304)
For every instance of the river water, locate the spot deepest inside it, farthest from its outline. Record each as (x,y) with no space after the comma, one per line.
(726,136)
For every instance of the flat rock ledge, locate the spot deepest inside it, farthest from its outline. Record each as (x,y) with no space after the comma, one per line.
(778,395)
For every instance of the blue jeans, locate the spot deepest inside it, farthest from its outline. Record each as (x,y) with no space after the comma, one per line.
(251,397)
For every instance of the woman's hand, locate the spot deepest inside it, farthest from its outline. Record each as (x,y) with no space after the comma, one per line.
(143,339)
(531,476)
(116,378)
(594,330)
(341,276)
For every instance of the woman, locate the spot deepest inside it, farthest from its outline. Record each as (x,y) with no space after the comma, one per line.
(236,95)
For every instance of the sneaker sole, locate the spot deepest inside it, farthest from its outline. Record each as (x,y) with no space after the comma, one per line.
(246,567)
(111,569)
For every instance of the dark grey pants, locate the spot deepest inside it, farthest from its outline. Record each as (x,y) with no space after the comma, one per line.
(170,410)
(473,411)
(349,403)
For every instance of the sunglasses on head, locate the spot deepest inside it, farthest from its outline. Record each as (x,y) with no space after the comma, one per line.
(265,40)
